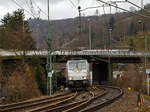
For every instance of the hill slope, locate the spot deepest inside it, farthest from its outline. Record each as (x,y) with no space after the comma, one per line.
(65,33)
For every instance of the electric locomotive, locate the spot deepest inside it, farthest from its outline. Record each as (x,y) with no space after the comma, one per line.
(78,75)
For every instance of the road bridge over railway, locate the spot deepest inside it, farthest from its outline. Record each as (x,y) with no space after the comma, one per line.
(115,55)
(98,52)
(98,58)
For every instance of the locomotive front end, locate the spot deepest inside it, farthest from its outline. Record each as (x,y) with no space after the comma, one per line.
(77,73)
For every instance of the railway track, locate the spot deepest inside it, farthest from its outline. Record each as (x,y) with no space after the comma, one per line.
(32,103)
(113,94)
(75,105)
(53,105)
(89,101)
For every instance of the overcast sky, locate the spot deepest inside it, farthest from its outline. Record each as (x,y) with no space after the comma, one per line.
(59,9)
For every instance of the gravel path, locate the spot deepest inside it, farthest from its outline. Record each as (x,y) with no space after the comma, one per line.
(127,104)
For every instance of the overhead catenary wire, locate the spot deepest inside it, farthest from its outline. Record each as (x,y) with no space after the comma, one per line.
(124,9)
(40,8)
(22,8)
(27,4)
(32,8)
(103,6)
(72,4)
(138,6)
(116,3)
(93,7)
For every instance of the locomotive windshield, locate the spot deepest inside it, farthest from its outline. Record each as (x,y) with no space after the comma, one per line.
(77,65)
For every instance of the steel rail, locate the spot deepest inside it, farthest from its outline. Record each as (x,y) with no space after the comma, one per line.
(81,105)
(55,104)
(32,102)
(104,103)
(85,103)
(78,107)
(64,107)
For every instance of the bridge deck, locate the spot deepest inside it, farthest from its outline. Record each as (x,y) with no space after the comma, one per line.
(101,53)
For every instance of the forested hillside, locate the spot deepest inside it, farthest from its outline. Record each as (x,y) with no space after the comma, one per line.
(67,31)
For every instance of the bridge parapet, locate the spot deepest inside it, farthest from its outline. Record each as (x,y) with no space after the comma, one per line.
(103,53)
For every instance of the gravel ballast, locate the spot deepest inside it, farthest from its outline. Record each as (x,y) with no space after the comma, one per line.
(128,103)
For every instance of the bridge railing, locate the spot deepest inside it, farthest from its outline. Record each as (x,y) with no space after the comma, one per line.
(102,53)
(125,53)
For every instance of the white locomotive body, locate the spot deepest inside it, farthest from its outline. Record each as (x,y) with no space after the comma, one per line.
(78,75)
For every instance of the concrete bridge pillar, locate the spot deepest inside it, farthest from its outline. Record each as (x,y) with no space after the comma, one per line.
(101,72)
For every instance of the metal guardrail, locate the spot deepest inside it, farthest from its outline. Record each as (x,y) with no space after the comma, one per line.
(105,53)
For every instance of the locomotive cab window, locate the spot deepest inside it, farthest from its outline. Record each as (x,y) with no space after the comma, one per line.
(77,65)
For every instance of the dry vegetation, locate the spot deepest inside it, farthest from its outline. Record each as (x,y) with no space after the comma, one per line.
(132,78)
(21,83)
(21,78)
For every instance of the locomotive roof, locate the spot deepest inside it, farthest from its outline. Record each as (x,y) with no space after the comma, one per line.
(76,60)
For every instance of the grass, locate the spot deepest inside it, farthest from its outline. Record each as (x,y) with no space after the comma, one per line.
(147,97)
(145,108)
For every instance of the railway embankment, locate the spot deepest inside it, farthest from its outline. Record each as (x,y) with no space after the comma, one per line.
(128,103)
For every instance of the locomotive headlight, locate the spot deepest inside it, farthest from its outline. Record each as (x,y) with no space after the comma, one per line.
(70,78)
(84,77)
